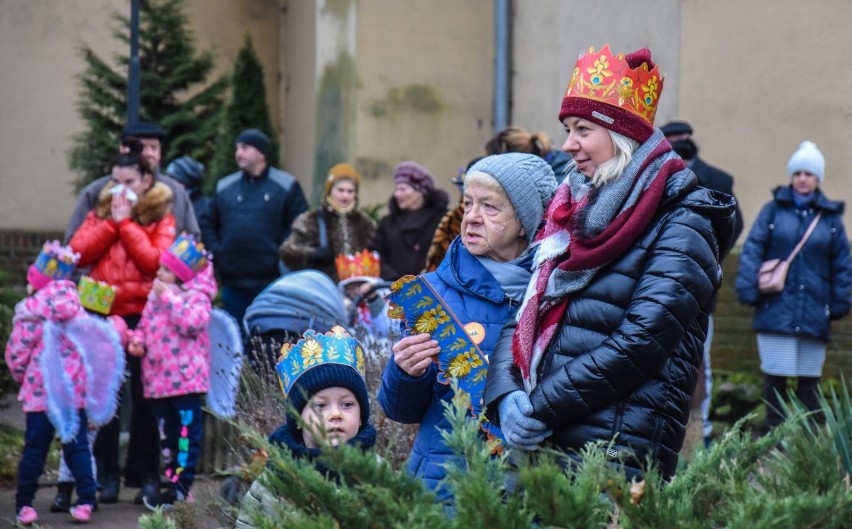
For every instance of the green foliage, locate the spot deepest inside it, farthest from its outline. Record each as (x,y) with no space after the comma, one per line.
(156,520)
(247,108)
(11,444)
(170,69)
(9,296)
(789,478)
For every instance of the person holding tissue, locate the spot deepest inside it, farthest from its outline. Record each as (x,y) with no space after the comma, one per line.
(121,240)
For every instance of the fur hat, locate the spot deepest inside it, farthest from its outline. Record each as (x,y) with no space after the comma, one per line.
(807,158)
(415,175)
(256,138)
(528,181)
(341,171)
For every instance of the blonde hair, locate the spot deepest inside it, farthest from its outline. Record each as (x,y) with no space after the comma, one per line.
(611,169)
(517,139)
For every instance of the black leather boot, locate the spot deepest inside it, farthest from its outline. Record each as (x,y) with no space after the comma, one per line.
(150,491)
(110,488)
(62,501)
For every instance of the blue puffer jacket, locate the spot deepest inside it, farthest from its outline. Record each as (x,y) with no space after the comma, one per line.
(473,295)
(247,221)
(820,277)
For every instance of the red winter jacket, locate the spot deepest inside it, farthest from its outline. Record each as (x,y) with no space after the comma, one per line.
(126,254)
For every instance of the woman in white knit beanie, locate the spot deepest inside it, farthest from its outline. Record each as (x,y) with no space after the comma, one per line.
(793,325)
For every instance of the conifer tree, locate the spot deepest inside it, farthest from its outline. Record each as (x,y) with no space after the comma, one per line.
(247,108)
(170,67)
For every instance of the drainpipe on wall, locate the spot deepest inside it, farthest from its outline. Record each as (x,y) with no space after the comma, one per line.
(501,64)
(133,70)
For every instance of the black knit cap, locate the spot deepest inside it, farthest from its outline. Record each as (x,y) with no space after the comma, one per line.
(142,129)
(328,375)
(676,128)
(256,138)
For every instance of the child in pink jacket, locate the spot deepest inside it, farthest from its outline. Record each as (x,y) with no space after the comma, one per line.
(47,355)
(174,344)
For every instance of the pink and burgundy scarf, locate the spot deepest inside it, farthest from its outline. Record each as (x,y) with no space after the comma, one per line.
(586,228)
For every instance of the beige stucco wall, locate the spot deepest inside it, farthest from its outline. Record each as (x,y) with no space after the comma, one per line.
(38,58)
(425,88)
(760,77)
(754,78)
(39,61)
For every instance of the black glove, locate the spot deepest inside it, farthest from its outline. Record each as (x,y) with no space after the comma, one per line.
(322,255)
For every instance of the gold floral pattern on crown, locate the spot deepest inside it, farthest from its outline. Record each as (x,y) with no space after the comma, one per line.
(604,77)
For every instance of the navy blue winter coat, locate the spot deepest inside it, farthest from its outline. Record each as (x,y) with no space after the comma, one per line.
(820,277)
(624,363)
(473,295)
(247,221)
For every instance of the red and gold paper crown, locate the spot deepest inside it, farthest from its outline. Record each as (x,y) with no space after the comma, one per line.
(361,264)
(619,92)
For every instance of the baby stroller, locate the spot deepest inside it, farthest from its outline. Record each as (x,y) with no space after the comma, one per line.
(295,302)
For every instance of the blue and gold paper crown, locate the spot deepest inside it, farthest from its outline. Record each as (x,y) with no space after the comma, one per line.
(185,257)
(54,262)
(96,295)
(413,300)
(312,350)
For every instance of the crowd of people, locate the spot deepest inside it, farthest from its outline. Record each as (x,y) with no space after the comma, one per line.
(586,276)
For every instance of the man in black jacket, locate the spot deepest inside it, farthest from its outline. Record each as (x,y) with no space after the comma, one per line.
(679,134)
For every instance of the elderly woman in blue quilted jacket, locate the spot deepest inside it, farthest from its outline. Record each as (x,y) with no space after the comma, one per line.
(609,338)
(482,279)
(793,326)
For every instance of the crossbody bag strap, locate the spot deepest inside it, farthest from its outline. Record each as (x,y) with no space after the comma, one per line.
(804,238)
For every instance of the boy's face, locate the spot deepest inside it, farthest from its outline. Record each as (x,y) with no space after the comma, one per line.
(332,416)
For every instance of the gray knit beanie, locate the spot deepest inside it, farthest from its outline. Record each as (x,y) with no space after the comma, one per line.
(528,181)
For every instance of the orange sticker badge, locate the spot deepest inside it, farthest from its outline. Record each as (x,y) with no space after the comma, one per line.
(476,332)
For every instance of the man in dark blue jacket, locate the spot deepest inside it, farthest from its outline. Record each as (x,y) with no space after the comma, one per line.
(249,217)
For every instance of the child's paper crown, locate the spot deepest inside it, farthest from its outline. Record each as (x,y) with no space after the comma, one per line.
(185,257)
(96,295)
(54,262)
(336,347)
(363,264)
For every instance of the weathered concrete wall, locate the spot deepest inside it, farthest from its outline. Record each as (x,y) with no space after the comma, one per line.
(424,88)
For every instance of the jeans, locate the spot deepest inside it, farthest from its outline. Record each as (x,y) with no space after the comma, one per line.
(37,441)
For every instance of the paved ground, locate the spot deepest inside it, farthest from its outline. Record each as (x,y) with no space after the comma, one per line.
(121,515)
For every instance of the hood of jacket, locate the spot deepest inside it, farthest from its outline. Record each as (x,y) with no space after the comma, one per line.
(784,195)
(153,205)
(682,189)
(462,271)
(58,300)
(204,282)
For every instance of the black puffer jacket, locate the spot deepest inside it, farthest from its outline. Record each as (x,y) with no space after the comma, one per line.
(626,359)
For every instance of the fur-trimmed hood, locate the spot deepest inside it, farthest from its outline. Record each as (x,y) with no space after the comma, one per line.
(153,205)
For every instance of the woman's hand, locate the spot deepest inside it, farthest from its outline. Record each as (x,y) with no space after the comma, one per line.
(414,353)
(120,207)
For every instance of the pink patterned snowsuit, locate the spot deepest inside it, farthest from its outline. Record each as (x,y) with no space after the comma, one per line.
(176,371)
